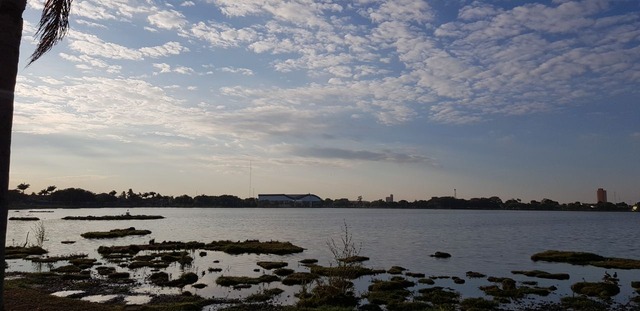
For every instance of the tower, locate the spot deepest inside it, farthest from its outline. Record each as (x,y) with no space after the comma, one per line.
(601,195)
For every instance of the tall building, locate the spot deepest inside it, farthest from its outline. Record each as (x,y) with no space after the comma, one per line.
(389,199)
(602,195)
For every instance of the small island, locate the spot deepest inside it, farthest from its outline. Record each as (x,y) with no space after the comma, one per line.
(115,233)
(126,216)
(25,218)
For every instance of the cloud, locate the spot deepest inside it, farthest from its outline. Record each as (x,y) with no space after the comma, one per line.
(169,48)
(360,155)
(167,19)
(388,60)
(220,35)
(93,46)
(242,71)
(401,10)
(166,68)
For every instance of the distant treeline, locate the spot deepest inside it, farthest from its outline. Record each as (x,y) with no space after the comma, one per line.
(77,197)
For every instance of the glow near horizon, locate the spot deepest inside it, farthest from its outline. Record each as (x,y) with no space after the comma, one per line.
(529,100)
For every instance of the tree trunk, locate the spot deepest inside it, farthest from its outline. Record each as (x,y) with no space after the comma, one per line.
(10,36)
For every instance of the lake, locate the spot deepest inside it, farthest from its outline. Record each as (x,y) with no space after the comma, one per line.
(491,242)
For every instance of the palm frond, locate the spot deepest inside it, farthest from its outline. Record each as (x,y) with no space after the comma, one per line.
(53,26)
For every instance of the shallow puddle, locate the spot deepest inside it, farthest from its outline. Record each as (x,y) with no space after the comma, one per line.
(67,293)
(99,298)
(137,300)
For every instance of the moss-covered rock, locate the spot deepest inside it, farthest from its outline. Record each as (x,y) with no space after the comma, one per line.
(115,233)
(543,274)
(478,304)
(596,289)
(264,295)
(438,296)
(236,280)
(272,264)
(578,258)
(396,270)
(299,278)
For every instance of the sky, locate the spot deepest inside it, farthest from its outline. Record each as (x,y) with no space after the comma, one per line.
(515,99)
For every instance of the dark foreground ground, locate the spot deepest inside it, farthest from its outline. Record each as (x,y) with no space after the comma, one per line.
(25,296)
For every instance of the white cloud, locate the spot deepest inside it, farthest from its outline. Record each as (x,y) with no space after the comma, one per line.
(167,19)
(169,48)
(402,11)
(220,35)
(92,45)
(242,71)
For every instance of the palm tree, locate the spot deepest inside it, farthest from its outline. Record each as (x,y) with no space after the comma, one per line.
(51,29)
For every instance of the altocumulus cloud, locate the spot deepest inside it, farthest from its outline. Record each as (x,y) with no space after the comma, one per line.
(361,155)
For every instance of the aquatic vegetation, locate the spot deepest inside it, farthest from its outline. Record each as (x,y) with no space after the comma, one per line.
(543,274)
(396,270)
(159,278)
(183,280)
(115,217)
(299,278)
(411,306)
(329,294)
(472,274)
(254,247)
(17,252)
(67,269)
(388,292)
(104,270)
(617,263)
(56,258)
(119,275)
(596,289)
(458,280)
(237,280)
(308,261)
(583,303)
(269,265)
(84,263)
(581,258)
(578,258)
(427,281)
(115,233)
(509,290)
(264,295)
(415,274)
(150,264)
(441,255)
(438,296)
(354,259)
(347,272)
(478,304)
(24,218)
(283,272)
(229,247)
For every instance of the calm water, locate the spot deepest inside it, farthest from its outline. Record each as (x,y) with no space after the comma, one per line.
(490,242)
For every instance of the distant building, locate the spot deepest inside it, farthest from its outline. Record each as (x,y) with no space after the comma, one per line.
(389,199)
(602,195)
(289,200)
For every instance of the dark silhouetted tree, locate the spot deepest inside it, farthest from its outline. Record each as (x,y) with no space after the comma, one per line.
(51,29)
